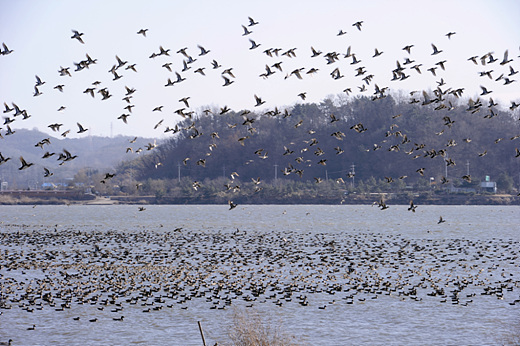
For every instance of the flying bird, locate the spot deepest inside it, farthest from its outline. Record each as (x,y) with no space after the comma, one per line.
(6,50)
(36,91)
(77,35)
(81,129)
(376,53)
(215,64)
(254,44)
(142,32)
(4,159)
(47,173)
(227,81)
(408,48)
(203,51)
(24,164)
(435,50)
(485,91)
(358,25)
(246,31)
(259,101)
(39,81)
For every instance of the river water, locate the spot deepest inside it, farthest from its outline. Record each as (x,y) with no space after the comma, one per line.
(319,275)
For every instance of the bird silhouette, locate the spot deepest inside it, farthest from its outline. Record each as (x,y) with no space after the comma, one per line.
(435,50)
(81,129)
(3,159)
(259,101)
(246,31)
(24,165)
(450,34)
(47,173)
(358,25)
(254,45)
(227,81)
(6,50)
(484,91)
(77,35)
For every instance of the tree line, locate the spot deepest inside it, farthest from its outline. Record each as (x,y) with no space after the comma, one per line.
(345,144)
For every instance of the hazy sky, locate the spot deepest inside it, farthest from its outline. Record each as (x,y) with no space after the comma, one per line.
(39,33)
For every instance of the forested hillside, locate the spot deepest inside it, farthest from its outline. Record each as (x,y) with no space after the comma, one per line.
(361,142)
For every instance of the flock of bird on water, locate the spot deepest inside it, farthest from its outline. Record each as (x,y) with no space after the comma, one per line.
(139,271)
(168,269)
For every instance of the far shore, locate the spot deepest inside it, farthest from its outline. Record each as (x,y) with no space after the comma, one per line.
(40,198)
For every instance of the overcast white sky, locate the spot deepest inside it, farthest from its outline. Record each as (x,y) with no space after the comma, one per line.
(39,33)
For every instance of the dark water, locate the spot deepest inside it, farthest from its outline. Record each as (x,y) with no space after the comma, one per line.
(328,275)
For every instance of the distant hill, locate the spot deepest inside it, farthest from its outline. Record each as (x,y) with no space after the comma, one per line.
(97,153)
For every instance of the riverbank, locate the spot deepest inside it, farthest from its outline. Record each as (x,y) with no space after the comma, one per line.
(70,197)
(21,197)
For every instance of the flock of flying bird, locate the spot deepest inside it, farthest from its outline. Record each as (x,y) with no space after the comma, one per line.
(159,286)
(401,72)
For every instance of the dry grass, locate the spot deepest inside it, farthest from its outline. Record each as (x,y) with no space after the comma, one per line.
(249,329)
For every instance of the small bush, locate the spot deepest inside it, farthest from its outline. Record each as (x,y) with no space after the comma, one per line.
(249,329)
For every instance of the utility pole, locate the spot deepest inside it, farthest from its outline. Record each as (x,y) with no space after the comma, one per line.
(326,175)
(275,172)
(179,171)
(467,167)
(352,173)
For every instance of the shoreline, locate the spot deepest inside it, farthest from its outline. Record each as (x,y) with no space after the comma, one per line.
(67,198)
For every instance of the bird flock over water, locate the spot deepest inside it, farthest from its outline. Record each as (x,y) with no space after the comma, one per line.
(147,272)
(346,65)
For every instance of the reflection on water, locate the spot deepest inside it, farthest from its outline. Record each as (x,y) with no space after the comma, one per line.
(326,274)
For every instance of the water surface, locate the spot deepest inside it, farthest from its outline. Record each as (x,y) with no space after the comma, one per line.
(331,275)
